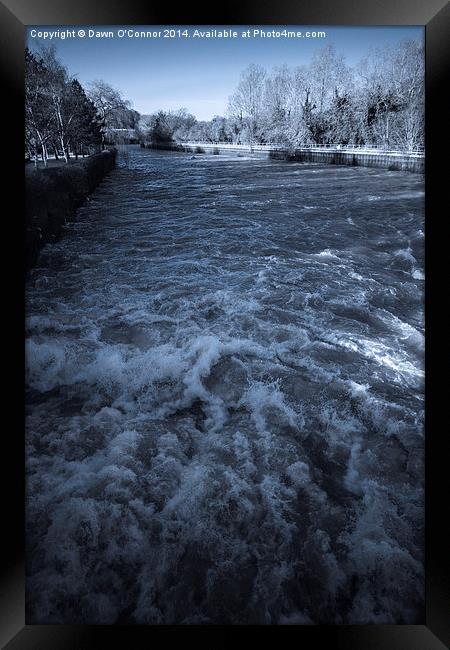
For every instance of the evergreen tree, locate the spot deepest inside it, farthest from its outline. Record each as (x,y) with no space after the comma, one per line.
(86,124)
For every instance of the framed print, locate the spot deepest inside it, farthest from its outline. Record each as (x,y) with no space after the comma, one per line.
(231,231)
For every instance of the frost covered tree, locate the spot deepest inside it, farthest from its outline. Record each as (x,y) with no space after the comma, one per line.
(166,126)
(391,88)
(329,75)
(219,130)
(342,120)
(179,123)
(379,102)
(246,103)
(284,117)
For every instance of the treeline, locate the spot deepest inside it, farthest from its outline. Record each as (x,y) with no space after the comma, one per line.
(62,119)
(379,102)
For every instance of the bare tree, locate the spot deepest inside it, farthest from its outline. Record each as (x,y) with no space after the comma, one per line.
(329,75)
(111,106)
(39,121)
(57,82)
(379,102)
(246,104)
(391,93)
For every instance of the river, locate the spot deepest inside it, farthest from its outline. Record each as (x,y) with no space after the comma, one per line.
(225,366)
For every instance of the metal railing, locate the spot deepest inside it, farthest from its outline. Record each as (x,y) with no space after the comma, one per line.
(344,148)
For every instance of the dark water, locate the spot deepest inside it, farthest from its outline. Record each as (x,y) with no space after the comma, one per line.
(225,405)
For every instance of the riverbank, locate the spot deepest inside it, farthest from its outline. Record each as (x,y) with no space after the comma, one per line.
(53,195)
(358,157)
(393,161)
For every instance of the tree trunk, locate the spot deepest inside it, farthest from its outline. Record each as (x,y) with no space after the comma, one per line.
(44,153)
(64,150)
(62,135)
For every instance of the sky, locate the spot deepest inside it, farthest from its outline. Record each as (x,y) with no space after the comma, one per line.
(196,72)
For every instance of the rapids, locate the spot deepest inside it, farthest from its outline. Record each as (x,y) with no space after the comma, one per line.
(225,365)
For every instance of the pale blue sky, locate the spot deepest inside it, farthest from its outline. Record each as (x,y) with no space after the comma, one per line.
(200,74)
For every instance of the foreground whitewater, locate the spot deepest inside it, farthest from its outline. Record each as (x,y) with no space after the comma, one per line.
(225,398)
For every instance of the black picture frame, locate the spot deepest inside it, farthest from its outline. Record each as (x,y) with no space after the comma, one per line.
(15,15)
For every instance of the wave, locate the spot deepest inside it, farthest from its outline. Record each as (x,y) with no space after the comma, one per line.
(224,426)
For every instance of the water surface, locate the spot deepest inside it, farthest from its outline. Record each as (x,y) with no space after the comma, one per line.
(225,402)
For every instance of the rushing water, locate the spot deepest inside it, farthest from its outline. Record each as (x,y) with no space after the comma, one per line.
(225,398)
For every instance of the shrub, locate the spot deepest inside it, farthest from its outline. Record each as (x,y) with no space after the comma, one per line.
(53,195)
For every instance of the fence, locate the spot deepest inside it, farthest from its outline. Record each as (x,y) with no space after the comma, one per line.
(344,148)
